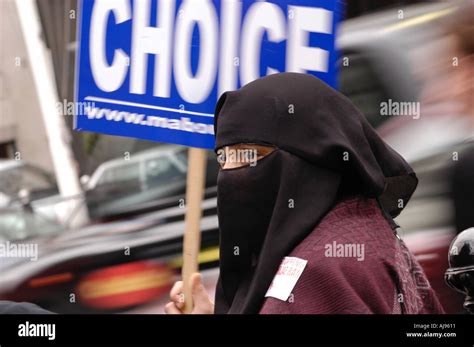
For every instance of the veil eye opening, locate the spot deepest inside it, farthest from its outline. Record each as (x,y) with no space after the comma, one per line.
(259,153)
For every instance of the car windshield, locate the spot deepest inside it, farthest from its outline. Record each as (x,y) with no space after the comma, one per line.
(12,180)
(160,170)
(20,225)
(120,173)
(149,170)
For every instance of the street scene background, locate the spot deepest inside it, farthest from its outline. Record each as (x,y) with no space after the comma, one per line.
(114,244)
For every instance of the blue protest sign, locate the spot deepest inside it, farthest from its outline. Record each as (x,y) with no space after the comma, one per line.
(154,69)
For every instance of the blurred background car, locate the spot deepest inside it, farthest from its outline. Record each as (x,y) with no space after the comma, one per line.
(32,188)
(148,180)
(18,225)
(110,266)
(17,176)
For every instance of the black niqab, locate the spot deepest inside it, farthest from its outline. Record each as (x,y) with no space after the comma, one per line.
(325,146)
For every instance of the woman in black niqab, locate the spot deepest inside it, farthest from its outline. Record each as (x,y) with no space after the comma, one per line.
(324,148)
(326,177)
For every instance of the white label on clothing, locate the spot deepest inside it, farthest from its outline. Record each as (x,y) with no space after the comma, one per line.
(285,279)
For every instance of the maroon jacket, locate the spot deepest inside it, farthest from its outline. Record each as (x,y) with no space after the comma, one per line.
(386,279)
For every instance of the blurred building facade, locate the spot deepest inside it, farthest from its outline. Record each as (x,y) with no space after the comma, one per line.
(22,133)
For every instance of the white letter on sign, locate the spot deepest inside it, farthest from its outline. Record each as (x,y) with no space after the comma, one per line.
(261,17)
(150,40)
(107,77)
(300,57)
(230,24)
(196,89)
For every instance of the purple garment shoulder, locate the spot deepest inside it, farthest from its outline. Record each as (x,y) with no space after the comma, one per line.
(384,278)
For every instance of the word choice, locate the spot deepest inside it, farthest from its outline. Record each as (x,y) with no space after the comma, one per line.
(229,44)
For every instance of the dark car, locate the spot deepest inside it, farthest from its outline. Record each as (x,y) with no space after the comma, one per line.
(149,180)
(100,267)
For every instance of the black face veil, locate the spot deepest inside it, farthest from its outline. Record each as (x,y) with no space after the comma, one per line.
(325,148)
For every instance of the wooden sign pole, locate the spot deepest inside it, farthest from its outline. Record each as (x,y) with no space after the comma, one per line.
(192,231)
